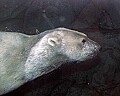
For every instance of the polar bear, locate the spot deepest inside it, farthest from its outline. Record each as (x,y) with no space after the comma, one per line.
(26,57)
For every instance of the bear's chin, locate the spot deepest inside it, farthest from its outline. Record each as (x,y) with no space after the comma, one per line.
(70,67)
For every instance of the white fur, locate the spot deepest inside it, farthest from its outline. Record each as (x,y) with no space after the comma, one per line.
(24,58)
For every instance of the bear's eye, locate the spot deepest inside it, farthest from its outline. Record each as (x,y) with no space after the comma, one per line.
(83,41)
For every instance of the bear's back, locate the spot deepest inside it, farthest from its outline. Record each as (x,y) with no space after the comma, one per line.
(12,54)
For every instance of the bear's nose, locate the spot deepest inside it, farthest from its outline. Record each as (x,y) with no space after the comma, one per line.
(98,47)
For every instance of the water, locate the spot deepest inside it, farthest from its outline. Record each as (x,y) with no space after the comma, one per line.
(99,20)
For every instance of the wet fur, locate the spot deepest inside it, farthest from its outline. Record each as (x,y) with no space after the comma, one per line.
(24,57)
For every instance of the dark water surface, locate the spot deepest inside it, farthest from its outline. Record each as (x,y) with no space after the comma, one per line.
(99,19)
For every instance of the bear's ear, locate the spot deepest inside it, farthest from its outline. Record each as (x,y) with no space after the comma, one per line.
(53,41)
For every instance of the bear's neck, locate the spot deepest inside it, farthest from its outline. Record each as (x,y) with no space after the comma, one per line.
(41,60)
